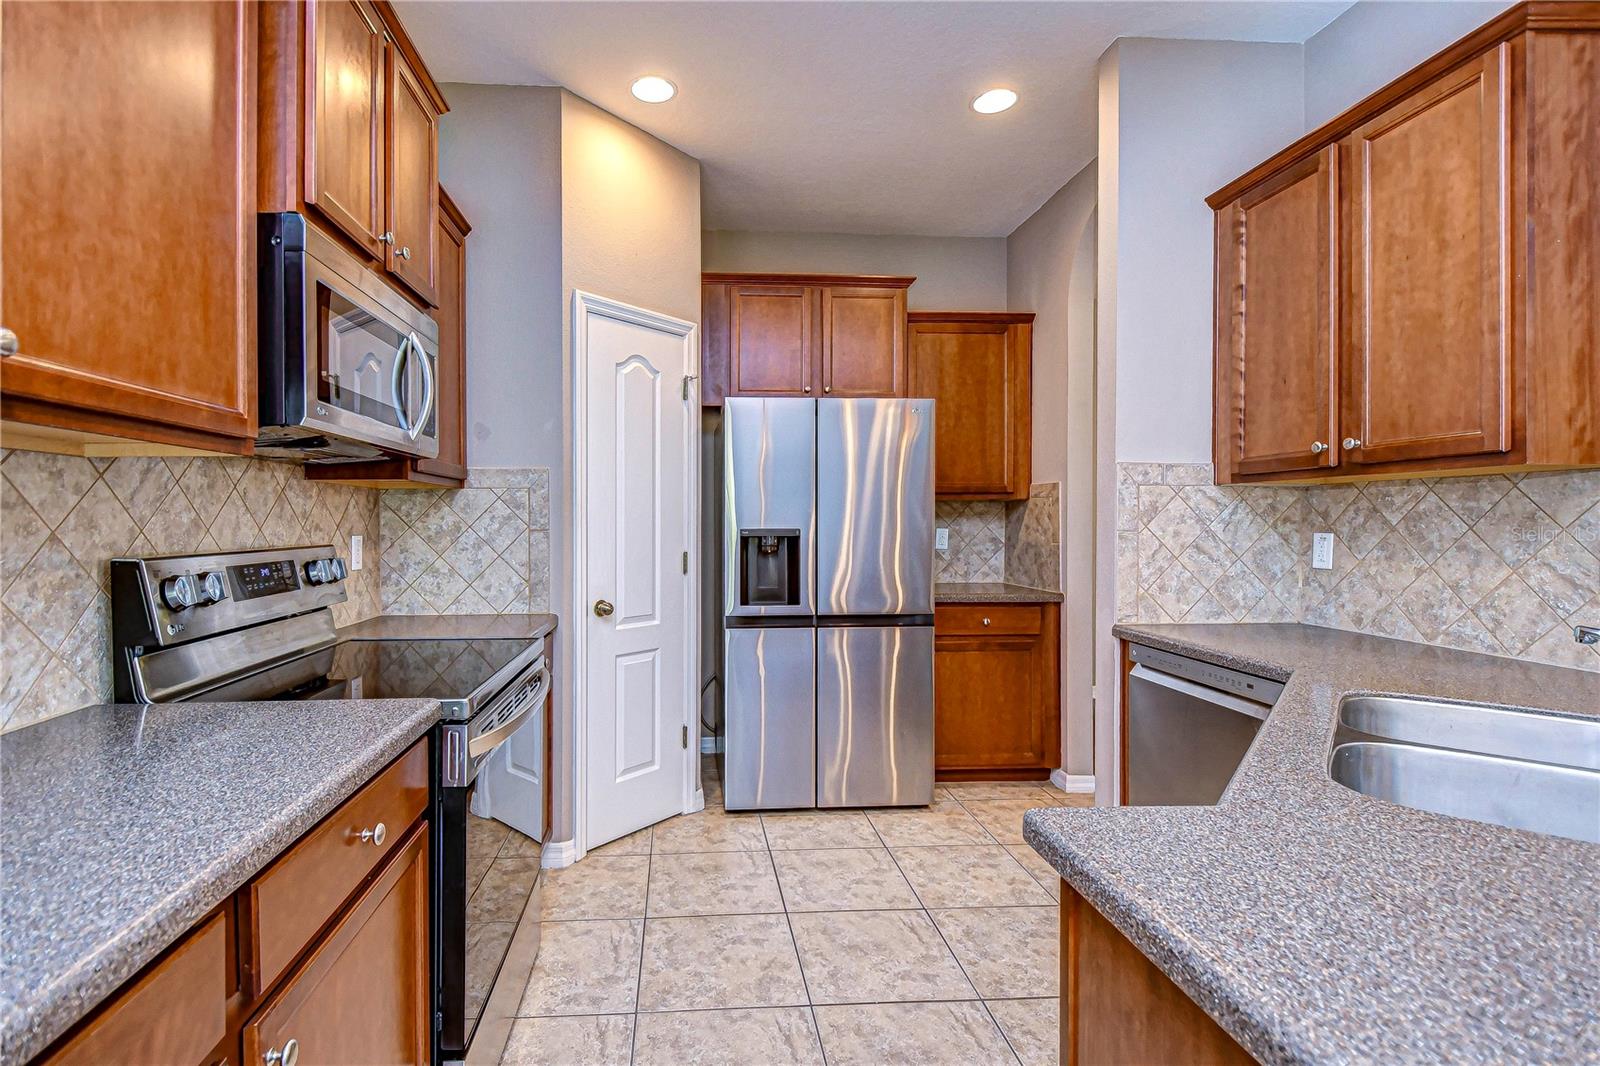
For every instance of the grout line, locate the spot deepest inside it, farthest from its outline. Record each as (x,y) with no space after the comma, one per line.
(644,931)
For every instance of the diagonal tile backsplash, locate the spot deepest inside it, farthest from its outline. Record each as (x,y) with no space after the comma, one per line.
(1501,564)
(483,549)
(63,518)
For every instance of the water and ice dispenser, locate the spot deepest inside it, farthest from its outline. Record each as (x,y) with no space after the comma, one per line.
(769,567)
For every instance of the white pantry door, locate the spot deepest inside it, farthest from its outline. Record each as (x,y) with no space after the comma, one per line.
(637,527)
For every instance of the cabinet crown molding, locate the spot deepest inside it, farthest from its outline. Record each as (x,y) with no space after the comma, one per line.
(860,281)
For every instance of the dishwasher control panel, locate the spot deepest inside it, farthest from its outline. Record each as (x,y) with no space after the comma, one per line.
(1218,677)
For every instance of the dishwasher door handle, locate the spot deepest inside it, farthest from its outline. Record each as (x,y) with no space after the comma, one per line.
(1201,692)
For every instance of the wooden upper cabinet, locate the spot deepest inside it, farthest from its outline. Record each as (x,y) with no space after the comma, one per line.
(1428,370)
(1466,239)
(345,156)
(802,335)
(1277,256)
(978,367)
(349,122)
(863,341)
(413,181)
(127,221)
(771,346)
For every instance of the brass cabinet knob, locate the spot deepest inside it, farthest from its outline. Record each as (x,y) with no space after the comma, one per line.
(603,608)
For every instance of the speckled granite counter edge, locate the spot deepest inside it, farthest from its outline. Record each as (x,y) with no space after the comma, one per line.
(991,592)
(28,1028)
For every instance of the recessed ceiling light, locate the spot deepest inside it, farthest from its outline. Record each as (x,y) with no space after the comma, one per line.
(654,89)
(993,101)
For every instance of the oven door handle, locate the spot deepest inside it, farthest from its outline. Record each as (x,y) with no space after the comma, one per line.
(484,743)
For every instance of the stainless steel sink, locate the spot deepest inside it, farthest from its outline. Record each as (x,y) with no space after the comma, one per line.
(1521,769)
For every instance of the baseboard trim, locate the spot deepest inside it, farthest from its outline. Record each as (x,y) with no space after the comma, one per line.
(558,854)
(710,745)
(1072,782)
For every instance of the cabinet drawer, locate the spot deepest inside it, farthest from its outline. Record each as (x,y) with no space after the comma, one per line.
(302,890)
(177,1012)
(987,620)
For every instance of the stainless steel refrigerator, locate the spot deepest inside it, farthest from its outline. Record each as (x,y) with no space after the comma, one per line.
(827,603)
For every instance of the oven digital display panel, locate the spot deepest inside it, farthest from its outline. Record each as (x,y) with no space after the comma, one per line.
(254,580)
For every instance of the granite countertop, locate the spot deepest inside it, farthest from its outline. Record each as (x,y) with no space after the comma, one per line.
(450,627)
(1316,924)
(990,592)
(124,825)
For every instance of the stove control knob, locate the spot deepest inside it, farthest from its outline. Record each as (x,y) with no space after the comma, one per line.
(212,588)
(324,571)
(181,592)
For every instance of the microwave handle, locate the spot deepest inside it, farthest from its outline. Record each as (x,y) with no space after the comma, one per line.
(428,385)
(396,377)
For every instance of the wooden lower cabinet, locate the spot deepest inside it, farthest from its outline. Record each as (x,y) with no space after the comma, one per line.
(997,706)
(1117,1007)
(363,995)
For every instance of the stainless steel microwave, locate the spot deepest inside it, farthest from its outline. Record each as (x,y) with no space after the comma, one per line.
(348,366)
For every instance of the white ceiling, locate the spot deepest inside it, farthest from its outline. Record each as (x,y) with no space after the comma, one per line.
(843,117)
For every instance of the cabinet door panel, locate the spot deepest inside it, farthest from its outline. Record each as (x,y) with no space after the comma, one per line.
(345,133)
(1427,370)
(127,213)
(413,200)
(771,340)
(364,993)
(988,707)
(863,341)
(978,374)
(452,318)
(1277,324)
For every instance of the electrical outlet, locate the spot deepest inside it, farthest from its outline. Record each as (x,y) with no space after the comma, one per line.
(1322,551)
(355,551)
(941,538)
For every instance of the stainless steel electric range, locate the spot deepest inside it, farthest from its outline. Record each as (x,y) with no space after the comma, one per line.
(258,625)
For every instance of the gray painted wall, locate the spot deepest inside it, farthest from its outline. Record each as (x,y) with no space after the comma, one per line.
(953,273)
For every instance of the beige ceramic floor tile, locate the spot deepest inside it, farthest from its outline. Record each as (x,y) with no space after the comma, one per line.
(945,822)
(1007,952)
(876,956)
(1003,817)
(1033,1026)
(598,886)
(595,1040)
(917,1034)
(504,890)
(803,831)
(727,1038)
(713,882)
(632,844)
(709,830)
(984,790)
(1059,798)
(585,968)
(857,879)
(745,960)
(969,877)
(1036,865)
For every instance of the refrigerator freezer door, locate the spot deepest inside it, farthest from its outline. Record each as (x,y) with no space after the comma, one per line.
(770,757)
(874,507)
(769,483)
(874,716)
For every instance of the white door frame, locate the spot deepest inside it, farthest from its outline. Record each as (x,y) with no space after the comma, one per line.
(583,305)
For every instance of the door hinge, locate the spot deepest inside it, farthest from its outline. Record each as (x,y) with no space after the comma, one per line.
(686,738)
(686,562)
(687,380)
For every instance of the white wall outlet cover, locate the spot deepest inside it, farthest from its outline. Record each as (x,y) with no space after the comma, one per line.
(941,538)
(1322,551)
(355,551)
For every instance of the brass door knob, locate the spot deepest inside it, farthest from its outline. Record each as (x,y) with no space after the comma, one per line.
(603,608)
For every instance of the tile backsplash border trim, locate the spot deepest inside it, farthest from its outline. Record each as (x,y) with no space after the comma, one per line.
(1503,564)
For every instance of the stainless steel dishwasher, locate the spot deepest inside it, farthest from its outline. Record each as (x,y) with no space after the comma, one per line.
(1189,726)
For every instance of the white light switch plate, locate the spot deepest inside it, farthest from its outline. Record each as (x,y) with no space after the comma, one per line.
(941,538)
(355,551)
(1322,551)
